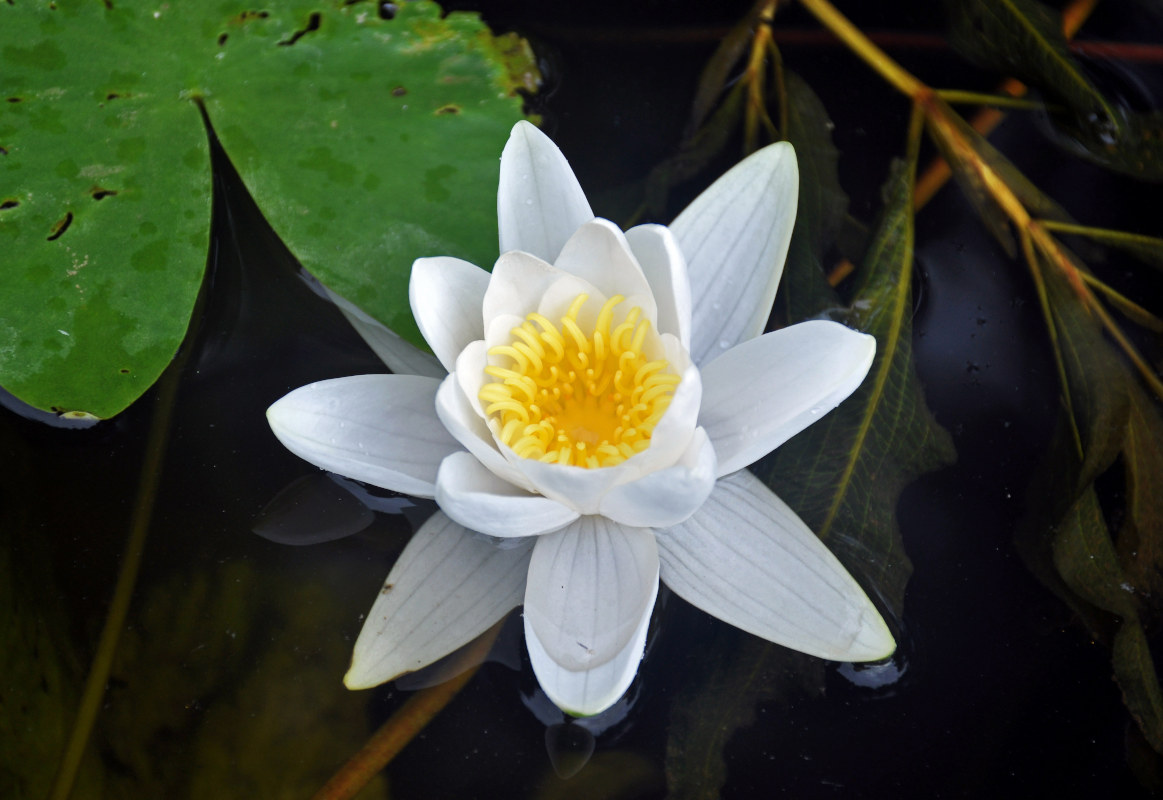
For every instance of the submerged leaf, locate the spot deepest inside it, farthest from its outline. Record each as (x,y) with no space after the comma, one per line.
(804,291)
(221,687)
(1067,540)
(720,699)
(1023,38)
(844,474)
(366,142)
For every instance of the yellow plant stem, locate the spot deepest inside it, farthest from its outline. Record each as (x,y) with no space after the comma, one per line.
(942,126)
(1129,306)
(403,726)
(860,44)
(762,47)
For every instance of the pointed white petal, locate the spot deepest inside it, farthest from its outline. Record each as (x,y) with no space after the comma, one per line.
(447,295)
(590,592)
(735,237)
(470,430)
(401,356)
(668,496)
(663,263)
(599,253)
(764,391)
(473,496)
(448,586)
(747,559)
(539,201)
(379,429)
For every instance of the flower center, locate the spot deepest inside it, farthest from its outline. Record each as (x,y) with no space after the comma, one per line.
(568,397)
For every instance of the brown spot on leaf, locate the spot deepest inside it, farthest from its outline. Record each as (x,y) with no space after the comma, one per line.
(451,108)
(399,91)
(60,227)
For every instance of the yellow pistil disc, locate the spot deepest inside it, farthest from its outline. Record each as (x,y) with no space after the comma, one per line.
(577,398)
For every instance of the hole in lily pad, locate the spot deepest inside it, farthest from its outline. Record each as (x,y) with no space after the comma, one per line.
(61,226)
(9,204)
(388,10)
(222,39)
(15,99)
(100,193)
(312,25)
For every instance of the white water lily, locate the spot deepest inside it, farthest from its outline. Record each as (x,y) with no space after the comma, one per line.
(605,394)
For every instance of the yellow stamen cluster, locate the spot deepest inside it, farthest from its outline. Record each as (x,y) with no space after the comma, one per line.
(571,398)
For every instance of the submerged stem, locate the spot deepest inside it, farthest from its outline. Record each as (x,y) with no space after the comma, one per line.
(143,506)
(403,726)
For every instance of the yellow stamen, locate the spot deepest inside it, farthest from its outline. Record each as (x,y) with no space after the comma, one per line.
(572,397)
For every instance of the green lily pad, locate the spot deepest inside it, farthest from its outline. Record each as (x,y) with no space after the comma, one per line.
(367,141)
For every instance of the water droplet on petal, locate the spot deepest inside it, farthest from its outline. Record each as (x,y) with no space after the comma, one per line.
(529,201)
(724,344)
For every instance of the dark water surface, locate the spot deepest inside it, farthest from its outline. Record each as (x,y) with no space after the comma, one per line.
(995,692)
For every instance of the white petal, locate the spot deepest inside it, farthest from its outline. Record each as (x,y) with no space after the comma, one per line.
(599,253)
(448,586)
(579,488)
(747,559)
(672,435)
(470,374)
(590,592)
(766,390)
(470,430)
(592,691)
(517,284)
(663,263)
(539,201)
(668,496)
(447,296)
(475,497)
(379,429)
(401,356)
(735,237)
(558,298)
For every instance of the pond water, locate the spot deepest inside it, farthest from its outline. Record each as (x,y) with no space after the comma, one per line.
(227,681)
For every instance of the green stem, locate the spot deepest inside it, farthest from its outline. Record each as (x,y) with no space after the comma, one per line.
(961,97)
(1106,235)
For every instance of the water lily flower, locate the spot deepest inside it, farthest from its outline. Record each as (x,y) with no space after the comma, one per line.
(605,392)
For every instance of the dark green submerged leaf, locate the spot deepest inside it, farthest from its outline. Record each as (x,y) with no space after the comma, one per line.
(1107,565)
(1024,38)
(368,142)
